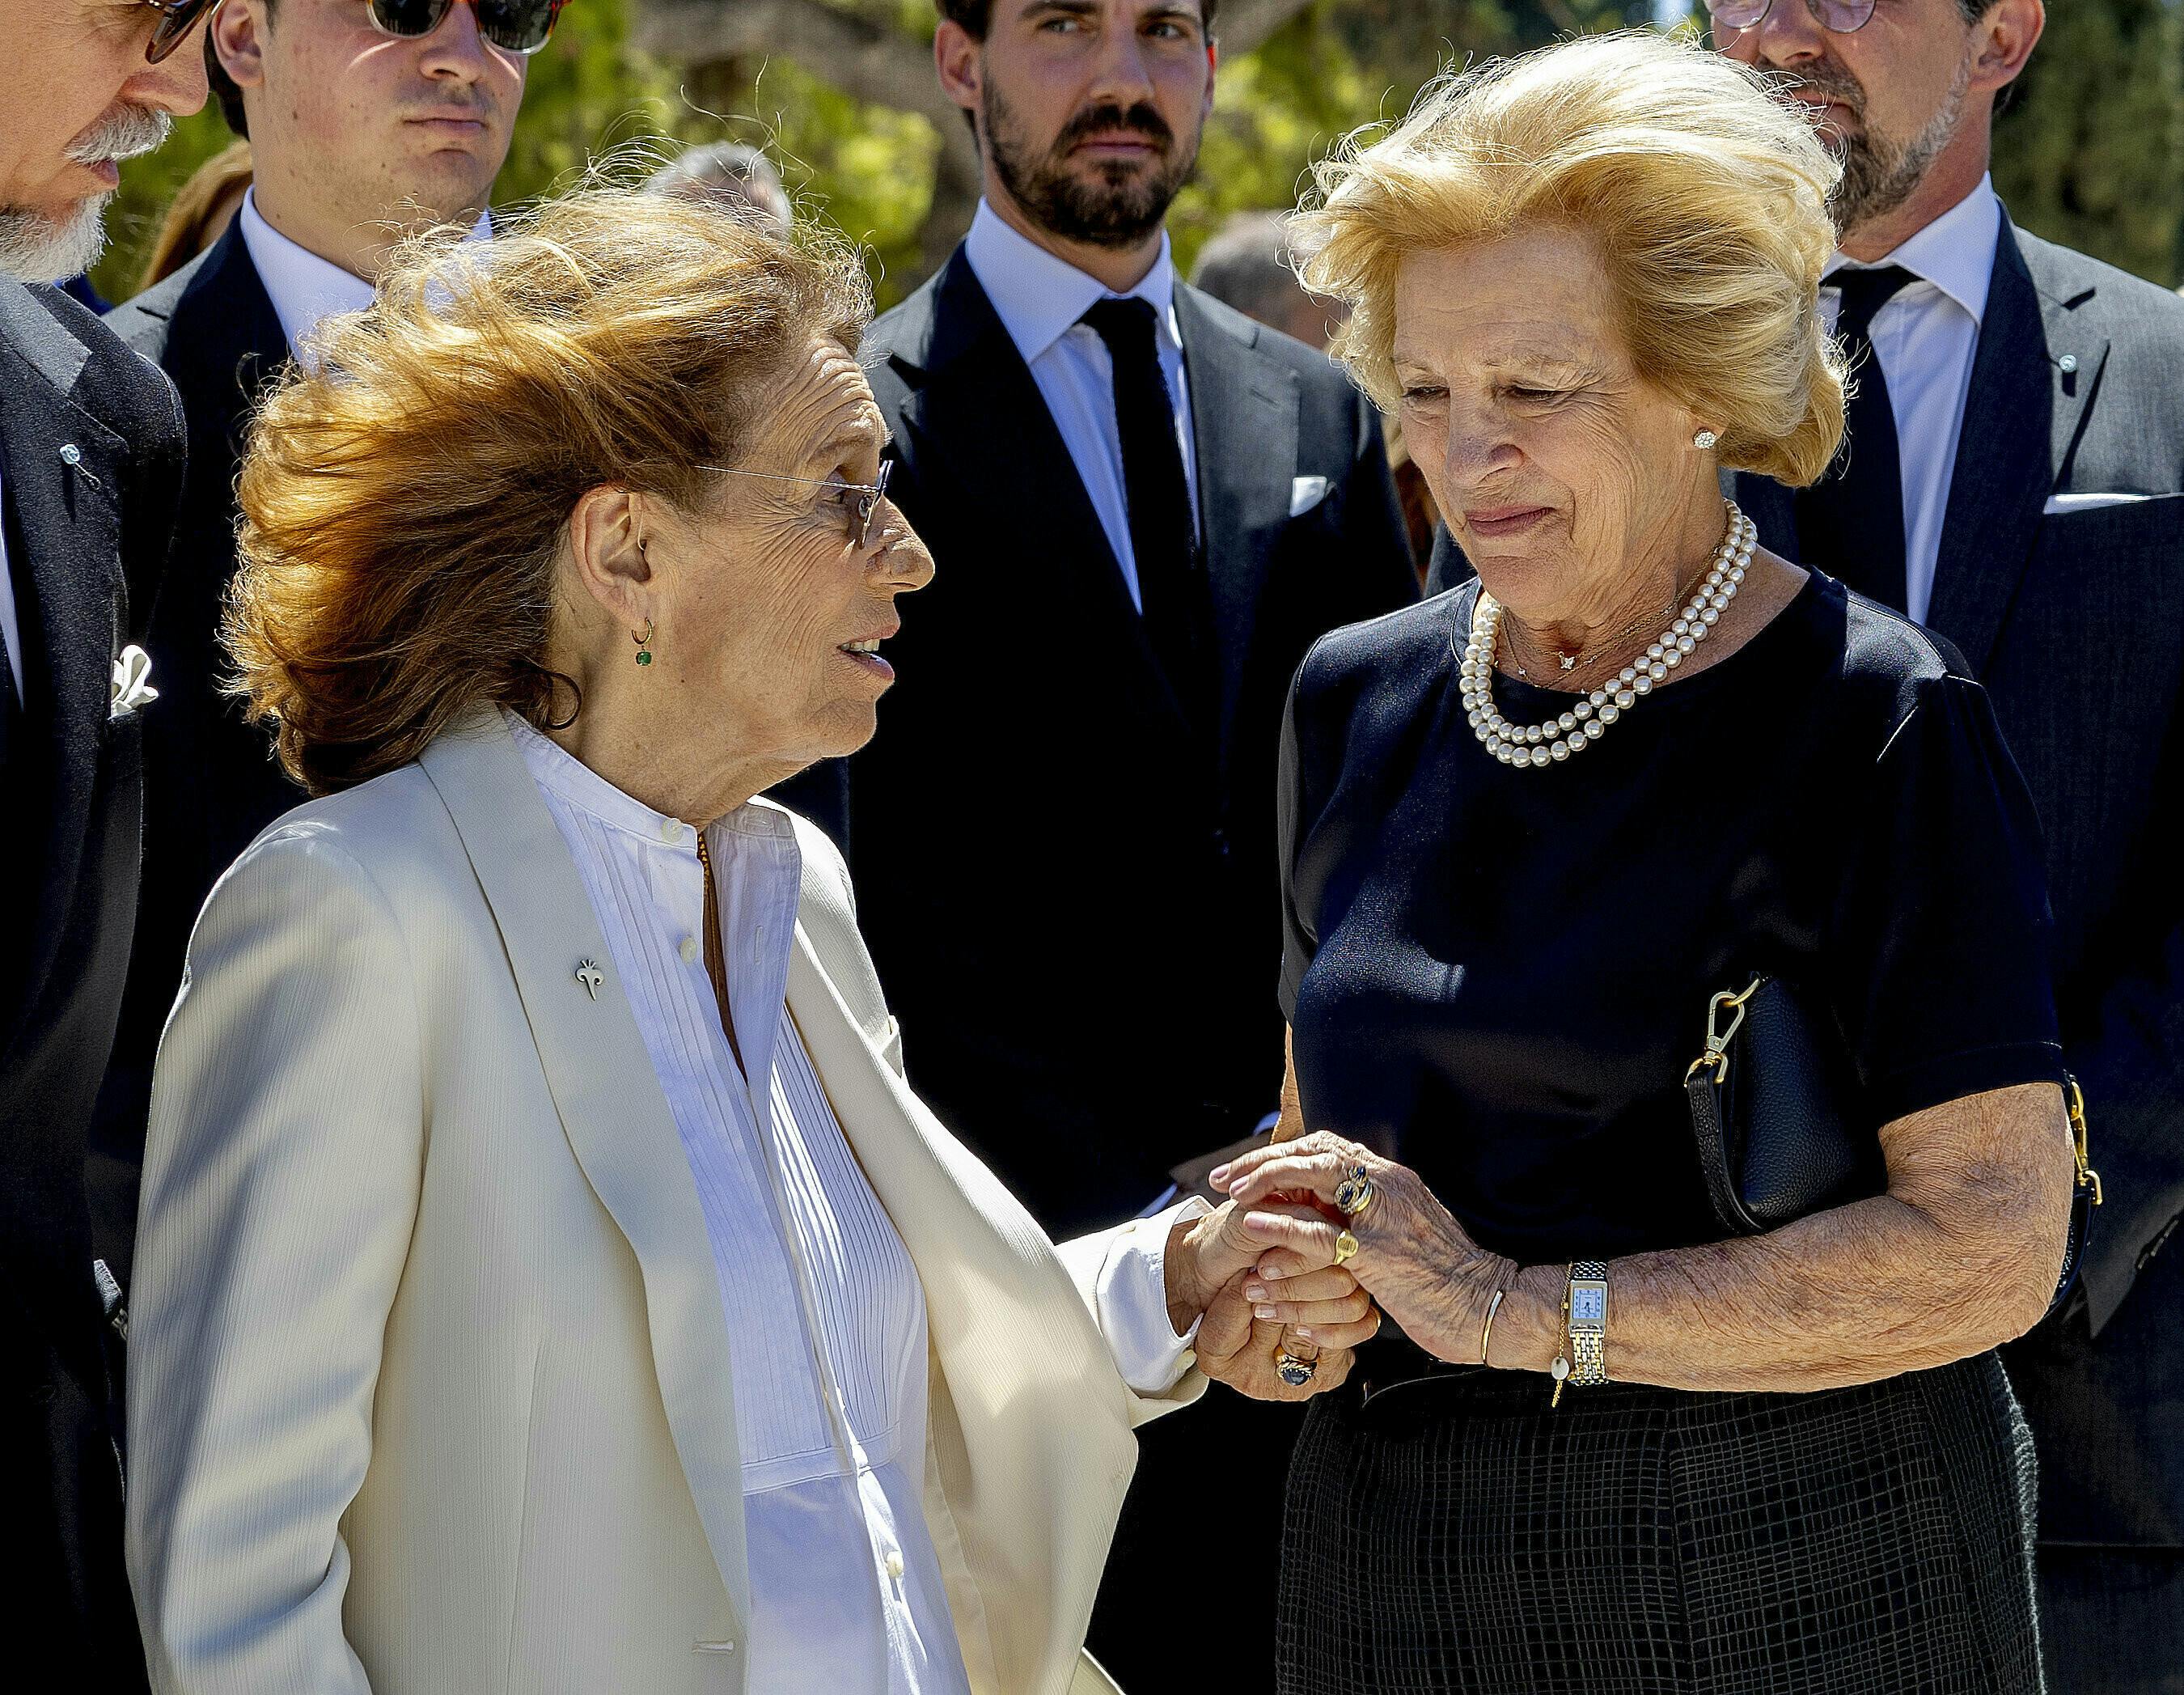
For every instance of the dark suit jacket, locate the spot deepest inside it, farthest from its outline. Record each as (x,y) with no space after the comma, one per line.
(2075,622)
(1071,901)
(210,782)
(90,444)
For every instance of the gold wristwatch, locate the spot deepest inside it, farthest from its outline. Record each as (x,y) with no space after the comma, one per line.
(1584,1358)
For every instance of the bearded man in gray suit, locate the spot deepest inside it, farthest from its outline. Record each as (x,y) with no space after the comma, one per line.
(2012,478)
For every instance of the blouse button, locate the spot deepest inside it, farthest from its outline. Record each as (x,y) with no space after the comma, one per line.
(689,949)
(894,1566)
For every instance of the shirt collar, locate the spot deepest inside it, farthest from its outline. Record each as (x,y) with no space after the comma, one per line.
(562,774)
(304,287)
(1955,252)
(1039,296)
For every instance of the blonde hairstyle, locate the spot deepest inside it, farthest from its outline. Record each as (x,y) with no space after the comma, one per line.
(1705,196)
(189,228)
(408,486)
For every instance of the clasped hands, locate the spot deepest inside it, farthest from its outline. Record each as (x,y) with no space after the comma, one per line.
(1292,1269)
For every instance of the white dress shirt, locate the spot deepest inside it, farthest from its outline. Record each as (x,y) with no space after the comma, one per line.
(826,1315)
(304,287)
(1039,300)
(1925,338)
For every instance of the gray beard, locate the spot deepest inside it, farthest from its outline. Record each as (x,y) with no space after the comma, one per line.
(34,248)
(1880,175)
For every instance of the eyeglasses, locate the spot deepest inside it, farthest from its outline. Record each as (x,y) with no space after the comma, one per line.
(1837,17)
(177,18)
(519,26)
(859,511)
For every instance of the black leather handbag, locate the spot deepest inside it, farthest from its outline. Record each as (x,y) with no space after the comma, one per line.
(1780,1131)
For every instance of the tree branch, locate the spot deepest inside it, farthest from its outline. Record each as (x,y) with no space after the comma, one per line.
(868,61)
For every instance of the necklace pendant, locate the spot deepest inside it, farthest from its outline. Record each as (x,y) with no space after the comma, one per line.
(1569,661)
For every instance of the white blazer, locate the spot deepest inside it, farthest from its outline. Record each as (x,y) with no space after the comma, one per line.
(429,1386)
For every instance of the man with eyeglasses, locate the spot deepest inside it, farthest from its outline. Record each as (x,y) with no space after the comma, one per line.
(2012,478)
(89,461)
(368,121)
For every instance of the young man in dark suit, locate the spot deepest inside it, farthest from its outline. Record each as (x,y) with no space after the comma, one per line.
(2014,478)
(357,137)
(1143,508)
(89,462)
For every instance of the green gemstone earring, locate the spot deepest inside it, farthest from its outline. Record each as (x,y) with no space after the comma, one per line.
(643,644)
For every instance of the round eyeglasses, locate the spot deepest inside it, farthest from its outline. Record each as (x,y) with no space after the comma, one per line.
(1837,17)
(517,27)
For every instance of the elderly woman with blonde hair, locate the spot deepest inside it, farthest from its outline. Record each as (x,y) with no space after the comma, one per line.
(1645,1430)
(548,1281)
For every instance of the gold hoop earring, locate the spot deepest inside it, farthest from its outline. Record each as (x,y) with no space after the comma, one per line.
(643,644)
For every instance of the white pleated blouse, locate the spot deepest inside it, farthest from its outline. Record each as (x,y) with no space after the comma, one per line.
(825,1317)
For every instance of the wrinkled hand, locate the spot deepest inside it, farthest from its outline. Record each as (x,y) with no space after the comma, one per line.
(1213,1269)
(1238,1349)
(1413,1258)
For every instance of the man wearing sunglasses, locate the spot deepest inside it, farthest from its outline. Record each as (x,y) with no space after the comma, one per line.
(90,459)
(368,120)
(2011,478)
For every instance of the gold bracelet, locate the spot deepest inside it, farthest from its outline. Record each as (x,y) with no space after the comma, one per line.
(1486,1331)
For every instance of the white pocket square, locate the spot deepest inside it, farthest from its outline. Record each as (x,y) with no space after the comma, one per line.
(2089,502)
(132,682)
(1305,493)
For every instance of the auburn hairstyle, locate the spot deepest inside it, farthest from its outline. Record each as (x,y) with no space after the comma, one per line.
(1705,196)
(407,487)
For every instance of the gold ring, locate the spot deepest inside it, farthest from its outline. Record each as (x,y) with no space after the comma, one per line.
(1354,1193)
(1345,1248)
(1293,1371)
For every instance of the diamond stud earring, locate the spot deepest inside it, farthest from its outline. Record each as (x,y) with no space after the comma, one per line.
(1704,439)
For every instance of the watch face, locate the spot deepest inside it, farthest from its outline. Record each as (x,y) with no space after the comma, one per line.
(1588,1306)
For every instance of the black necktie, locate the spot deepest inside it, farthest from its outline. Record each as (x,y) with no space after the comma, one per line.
(1163,535)
(1850,523)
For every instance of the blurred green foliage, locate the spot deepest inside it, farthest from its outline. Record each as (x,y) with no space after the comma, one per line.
(2091,154)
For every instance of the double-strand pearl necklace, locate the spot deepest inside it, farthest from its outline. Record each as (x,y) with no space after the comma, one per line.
(1556,739)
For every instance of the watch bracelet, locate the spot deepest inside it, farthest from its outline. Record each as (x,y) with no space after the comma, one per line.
(1588,1348)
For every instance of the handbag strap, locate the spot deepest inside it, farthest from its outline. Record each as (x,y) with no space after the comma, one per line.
(1703,1085)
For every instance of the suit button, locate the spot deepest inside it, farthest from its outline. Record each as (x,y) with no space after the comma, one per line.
(1221,843)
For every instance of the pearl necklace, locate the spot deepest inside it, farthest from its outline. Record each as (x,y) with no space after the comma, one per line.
(1556,739)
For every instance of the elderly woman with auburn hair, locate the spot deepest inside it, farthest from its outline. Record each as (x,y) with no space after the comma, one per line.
(547,1280)
(1533,828)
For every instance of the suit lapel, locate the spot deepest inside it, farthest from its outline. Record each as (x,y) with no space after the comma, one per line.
(62,471)
(616,1116)
(225,344)
(1028,1448)
(968,377)
(1244,427)
(2020,418)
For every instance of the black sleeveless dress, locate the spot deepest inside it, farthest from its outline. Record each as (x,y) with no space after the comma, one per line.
(1498,976)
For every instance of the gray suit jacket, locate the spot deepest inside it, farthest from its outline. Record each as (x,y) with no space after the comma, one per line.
(2075,622)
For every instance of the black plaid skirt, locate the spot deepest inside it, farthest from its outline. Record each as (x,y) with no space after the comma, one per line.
(1453,1534)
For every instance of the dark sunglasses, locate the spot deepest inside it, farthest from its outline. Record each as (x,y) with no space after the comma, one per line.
(514,26)
(177,18)
(1837,17)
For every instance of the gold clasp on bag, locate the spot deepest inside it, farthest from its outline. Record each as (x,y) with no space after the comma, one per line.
(1716,1057)
(2081,1153)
